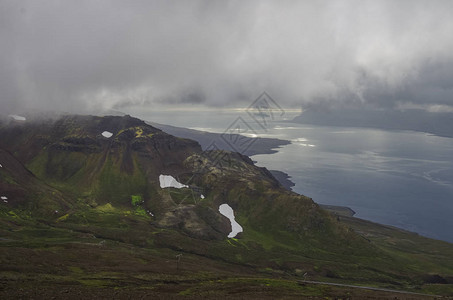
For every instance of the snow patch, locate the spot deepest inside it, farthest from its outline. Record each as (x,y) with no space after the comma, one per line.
(228,212)
(169,181)
(107,134)
(4,198)
(202,196)
(1,166)
(17,118)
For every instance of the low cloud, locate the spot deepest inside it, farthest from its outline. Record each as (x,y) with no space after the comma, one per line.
(85,55)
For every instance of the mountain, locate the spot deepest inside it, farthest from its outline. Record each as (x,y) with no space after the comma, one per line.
(208,139)
(20,185)
(97,203)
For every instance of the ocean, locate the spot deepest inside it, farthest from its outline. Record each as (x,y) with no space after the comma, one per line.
(398,178)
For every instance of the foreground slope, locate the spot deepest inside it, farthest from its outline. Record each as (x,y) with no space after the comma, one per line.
(102,219)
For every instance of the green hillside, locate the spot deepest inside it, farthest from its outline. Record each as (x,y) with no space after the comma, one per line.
(87,213)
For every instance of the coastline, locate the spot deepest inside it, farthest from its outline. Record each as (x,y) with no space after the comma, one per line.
(259,146)
(206,139)
(283,178)
(343,211)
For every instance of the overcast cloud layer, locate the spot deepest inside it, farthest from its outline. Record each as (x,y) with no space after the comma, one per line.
(75,55)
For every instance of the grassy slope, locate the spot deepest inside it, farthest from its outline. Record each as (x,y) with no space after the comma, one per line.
(414,253)
(39,260)
(92,243)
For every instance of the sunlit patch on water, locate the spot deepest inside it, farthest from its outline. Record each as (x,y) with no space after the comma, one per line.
(302,142)
(210,129)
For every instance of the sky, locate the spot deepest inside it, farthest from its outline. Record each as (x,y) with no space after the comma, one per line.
(78,55)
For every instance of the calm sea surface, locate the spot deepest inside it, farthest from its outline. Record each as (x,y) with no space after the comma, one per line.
(399,178)
(403,179)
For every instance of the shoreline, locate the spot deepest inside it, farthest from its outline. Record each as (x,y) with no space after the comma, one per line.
(337,210)
(207,139)
(259,146)
(283,178)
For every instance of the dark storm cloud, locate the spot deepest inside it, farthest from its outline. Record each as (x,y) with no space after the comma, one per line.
(75,55)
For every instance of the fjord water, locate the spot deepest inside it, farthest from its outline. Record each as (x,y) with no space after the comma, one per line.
(398,178)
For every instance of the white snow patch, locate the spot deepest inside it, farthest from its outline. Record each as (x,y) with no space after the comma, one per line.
(202,196)
(107,134)
(228,212)
(1,166)
(4,198)
(170,181)
(18,118)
